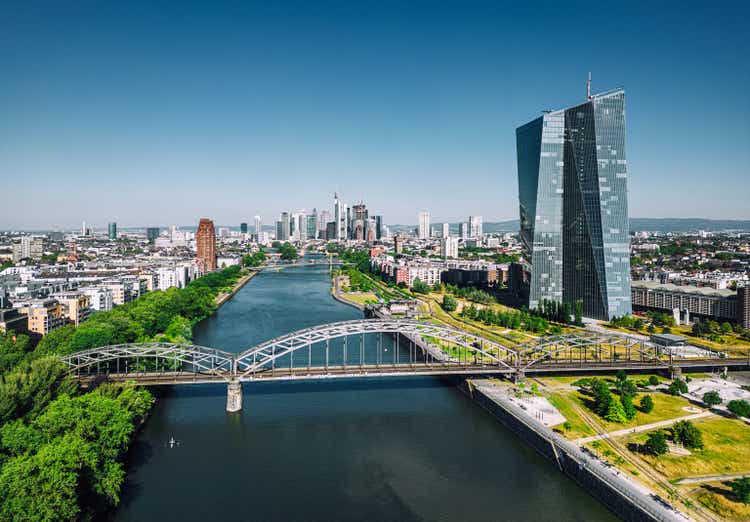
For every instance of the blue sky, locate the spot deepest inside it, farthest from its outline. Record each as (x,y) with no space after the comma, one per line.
(161,113)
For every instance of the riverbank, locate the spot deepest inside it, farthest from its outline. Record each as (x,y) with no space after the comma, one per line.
(624,497)
(242,281)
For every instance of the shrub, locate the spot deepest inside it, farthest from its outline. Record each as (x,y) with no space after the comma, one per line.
(653,380)
(647,404)
(677,387)
(712,398)
(449,303)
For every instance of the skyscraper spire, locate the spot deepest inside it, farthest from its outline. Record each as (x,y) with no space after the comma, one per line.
(588,87)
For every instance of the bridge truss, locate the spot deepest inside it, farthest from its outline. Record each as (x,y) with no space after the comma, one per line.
(370,347)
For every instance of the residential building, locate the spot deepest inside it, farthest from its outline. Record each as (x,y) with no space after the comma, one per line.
(206,239)
(11,319)
(572,177)
(449,247)
(398,244)
(101,298)
(28,248)
(743,306)
(424,225)
(112,231)
(43,315)
(76,306)
(446,230)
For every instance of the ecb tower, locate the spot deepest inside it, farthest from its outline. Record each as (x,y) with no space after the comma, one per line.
(573,195)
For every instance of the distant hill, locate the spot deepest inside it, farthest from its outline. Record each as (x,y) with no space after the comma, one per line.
(637,224)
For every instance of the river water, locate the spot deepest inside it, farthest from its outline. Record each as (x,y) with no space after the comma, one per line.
(404,449)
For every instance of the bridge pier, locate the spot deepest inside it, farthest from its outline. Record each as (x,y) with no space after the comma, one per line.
(234,396)
(519,377)
(675,372)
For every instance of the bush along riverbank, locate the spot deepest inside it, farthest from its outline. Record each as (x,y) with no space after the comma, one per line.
(62,448)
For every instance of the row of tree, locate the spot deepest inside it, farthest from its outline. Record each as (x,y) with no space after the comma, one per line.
(61,451)
(560,312)
(520,320)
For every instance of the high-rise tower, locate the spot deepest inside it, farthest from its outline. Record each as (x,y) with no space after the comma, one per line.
(206,239)
(573,195)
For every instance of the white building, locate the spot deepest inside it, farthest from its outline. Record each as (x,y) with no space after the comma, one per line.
(475,226)
(449,247)
(446,230)
(258,226)
(101,298)
(424,225)
(463,231)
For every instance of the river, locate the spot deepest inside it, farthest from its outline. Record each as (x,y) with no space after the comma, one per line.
(404,449)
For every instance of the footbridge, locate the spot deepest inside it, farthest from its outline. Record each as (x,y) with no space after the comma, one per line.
(372,348)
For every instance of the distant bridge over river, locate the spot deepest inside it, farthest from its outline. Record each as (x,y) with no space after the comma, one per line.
(373,348)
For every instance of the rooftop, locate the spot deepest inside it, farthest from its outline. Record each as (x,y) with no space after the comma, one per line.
(684,289)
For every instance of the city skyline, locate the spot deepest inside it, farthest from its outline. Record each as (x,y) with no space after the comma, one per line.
(95,115)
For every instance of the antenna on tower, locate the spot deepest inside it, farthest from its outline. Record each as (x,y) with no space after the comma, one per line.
(588,87)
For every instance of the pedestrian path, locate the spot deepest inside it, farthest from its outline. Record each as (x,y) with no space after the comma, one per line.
(644,427)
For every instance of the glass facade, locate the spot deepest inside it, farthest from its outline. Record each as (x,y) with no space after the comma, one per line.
(572,184)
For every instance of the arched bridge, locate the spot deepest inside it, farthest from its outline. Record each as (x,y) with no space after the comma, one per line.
(367,348)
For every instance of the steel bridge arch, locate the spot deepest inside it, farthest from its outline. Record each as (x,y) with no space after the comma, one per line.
(208,360)
(257,358)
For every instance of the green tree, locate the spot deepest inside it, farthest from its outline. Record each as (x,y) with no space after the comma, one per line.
(726,328)
(419,287)
(685,433)
(712,398)
(677,387)
(656,443)
(628,406)
(739,407)
(741,489)
(647,404)
(616,411)
(653,380)
(449,303)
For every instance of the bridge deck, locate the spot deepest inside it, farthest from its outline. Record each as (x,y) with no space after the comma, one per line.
(397,370)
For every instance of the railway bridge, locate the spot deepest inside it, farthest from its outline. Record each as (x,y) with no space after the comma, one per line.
(374,348)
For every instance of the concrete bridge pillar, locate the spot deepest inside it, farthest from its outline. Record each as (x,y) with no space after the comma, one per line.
(675,372)
(234,396)
(519,377)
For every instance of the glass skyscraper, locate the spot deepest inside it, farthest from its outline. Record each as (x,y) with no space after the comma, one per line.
(573,195)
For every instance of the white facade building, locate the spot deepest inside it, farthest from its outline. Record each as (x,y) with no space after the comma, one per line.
(424,225)
(449,247)
(475,226)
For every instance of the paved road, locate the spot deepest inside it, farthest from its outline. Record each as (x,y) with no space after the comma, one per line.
(645,427)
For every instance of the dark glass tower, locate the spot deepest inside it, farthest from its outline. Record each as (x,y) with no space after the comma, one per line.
(572,187)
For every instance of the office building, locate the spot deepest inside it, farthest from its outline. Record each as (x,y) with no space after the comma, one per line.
(572,178)
(258,222)
(446,230)
(743,306)
(463,231)
(323,219)
(285,227)
(112,231)
(152,233)
(206,239)
(475,226)
(424,225)
(243,228)
(312,225)
(449,247)
(331,230)
(379,227)
(339,216)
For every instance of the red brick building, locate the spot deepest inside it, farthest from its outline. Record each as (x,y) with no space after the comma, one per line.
(206,239)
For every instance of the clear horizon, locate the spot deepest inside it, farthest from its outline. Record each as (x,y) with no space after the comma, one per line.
(146,116)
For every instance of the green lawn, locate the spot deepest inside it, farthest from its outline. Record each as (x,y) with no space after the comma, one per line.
(726,450)
(578,427)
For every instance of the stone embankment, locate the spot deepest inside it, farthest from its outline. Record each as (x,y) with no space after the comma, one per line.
(627,499)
